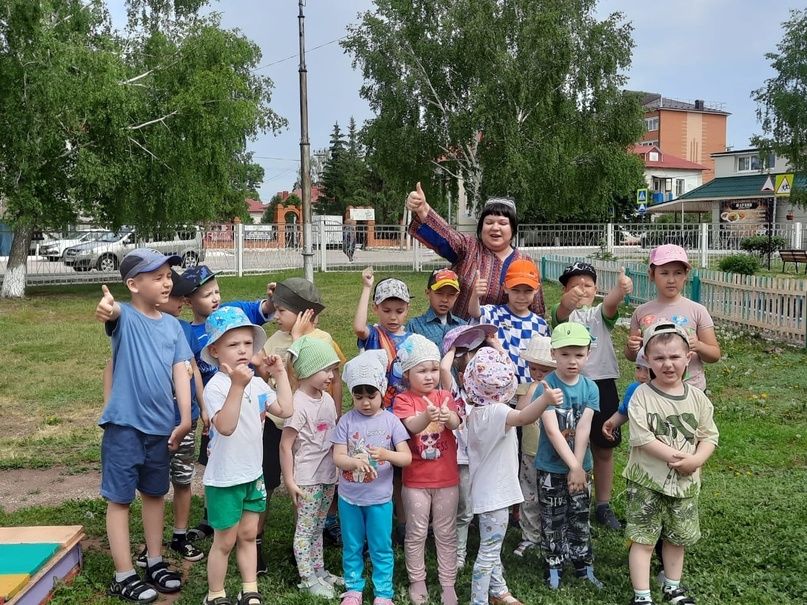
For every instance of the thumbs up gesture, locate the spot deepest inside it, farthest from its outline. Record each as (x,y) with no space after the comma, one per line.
(551,396)
(107,308)
(444,414)
(240,376)
(433,412)
(624,282)
(416,202)
(480,285)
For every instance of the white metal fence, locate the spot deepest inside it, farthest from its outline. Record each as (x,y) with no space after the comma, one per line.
(242,249)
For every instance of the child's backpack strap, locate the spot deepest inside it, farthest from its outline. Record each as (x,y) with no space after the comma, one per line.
(388,345)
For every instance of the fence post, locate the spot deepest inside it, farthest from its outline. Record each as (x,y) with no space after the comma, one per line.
(321,239)
(239,248)
(609,237)
(543,268)
(704,245)
(416,255)
(696,287)
(797,236)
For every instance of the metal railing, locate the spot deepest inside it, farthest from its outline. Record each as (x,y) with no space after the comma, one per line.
(242,249)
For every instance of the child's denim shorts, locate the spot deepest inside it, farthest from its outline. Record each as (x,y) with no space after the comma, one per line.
(132,460)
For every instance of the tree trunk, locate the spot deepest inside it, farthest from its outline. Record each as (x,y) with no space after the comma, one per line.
(14,279)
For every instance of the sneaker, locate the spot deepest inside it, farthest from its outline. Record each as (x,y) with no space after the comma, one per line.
(200,532)
(329,578)
(318,588)
(523,547)
(587,573)
(186,550)
(605,516)
(504,599)
(141,560)
(553,577)
(381,601)
(637,601)
(262,569)
(351,597)
(332,535)
(677,596)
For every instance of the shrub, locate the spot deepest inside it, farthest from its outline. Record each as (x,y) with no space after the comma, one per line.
(744,264)
(760,244)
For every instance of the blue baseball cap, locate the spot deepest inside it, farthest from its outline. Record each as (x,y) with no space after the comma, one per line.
(145,260)
(198,275)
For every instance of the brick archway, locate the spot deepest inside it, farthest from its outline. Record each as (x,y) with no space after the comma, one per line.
(281,212)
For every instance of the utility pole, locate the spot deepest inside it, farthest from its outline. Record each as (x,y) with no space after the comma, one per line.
(305,155)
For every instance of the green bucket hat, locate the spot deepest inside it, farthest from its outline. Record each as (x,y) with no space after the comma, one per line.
(310,355)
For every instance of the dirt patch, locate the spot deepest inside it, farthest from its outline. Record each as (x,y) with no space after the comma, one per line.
(22,488)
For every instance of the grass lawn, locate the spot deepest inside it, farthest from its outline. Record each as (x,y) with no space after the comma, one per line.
(753,504)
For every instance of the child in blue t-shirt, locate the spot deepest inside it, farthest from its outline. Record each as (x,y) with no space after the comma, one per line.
(643,375)
(151,363)
(563,459)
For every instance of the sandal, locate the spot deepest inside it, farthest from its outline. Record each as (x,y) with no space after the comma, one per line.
(504,599)
(249,598)
(217,601)
(159,576)
(131,589)
(351,597)
(677,597)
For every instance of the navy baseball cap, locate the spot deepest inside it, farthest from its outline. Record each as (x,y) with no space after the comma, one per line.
(578,268)
(198,275)
(145,260)
(182,286)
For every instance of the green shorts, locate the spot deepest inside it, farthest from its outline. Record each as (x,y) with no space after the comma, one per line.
(225,505)
(651,515)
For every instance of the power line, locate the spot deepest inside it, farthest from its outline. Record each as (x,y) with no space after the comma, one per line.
(269,157)
(294,56)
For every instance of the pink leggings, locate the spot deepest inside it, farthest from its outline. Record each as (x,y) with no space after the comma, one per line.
(442,504)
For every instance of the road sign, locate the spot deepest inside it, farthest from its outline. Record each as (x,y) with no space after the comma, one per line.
(768,186)
(642,209)
(784,183)
(641,196)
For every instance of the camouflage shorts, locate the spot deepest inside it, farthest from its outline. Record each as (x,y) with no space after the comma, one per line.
(651,515)
(183,460)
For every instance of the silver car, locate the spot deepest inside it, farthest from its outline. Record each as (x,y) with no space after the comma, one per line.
(108,251)
(53,250)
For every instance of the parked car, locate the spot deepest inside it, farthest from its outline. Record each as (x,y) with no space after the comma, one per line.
(626,238)
(106,253)
(54,249)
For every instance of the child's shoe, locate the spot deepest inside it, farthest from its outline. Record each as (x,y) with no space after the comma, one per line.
(605,515)
(186,550)
(677,596)
(200,532)
(163,579)
(326,576)
(216,601)
(523,547)
(587,573)
(318,588)
(553,577)
(249,598)
(418,593)
(382,601)
(141,560)
(132,589)
(352,597)
(504,599)
(332,532)
(637,601)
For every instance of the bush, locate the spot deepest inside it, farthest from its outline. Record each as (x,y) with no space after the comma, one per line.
(760,244)
(744,264)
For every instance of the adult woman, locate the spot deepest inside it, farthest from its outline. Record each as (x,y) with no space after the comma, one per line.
(485,256)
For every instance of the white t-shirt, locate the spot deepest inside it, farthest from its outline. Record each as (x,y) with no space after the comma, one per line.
(602,361)
(314,420)
(237,458)
(493,459)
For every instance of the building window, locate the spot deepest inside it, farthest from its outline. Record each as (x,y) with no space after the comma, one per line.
(651,124)
(679,187)
(652,156)
(662,184)
(748,163)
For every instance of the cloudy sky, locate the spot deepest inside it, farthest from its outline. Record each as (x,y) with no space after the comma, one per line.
(687,49)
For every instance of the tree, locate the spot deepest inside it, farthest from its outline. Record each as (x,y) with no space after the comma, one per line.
(782,101)
(148,130)
(515,97)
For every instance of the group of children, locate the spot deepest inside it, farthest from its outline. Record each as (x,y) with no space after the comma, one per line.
(449,420)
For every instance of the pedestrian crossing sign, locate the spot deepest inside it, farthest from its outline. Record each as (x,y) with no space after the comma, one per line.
(784,183)
(641,196)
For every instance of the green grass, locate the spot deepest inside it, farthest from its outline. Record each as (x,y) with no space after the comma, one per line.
(753,505)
